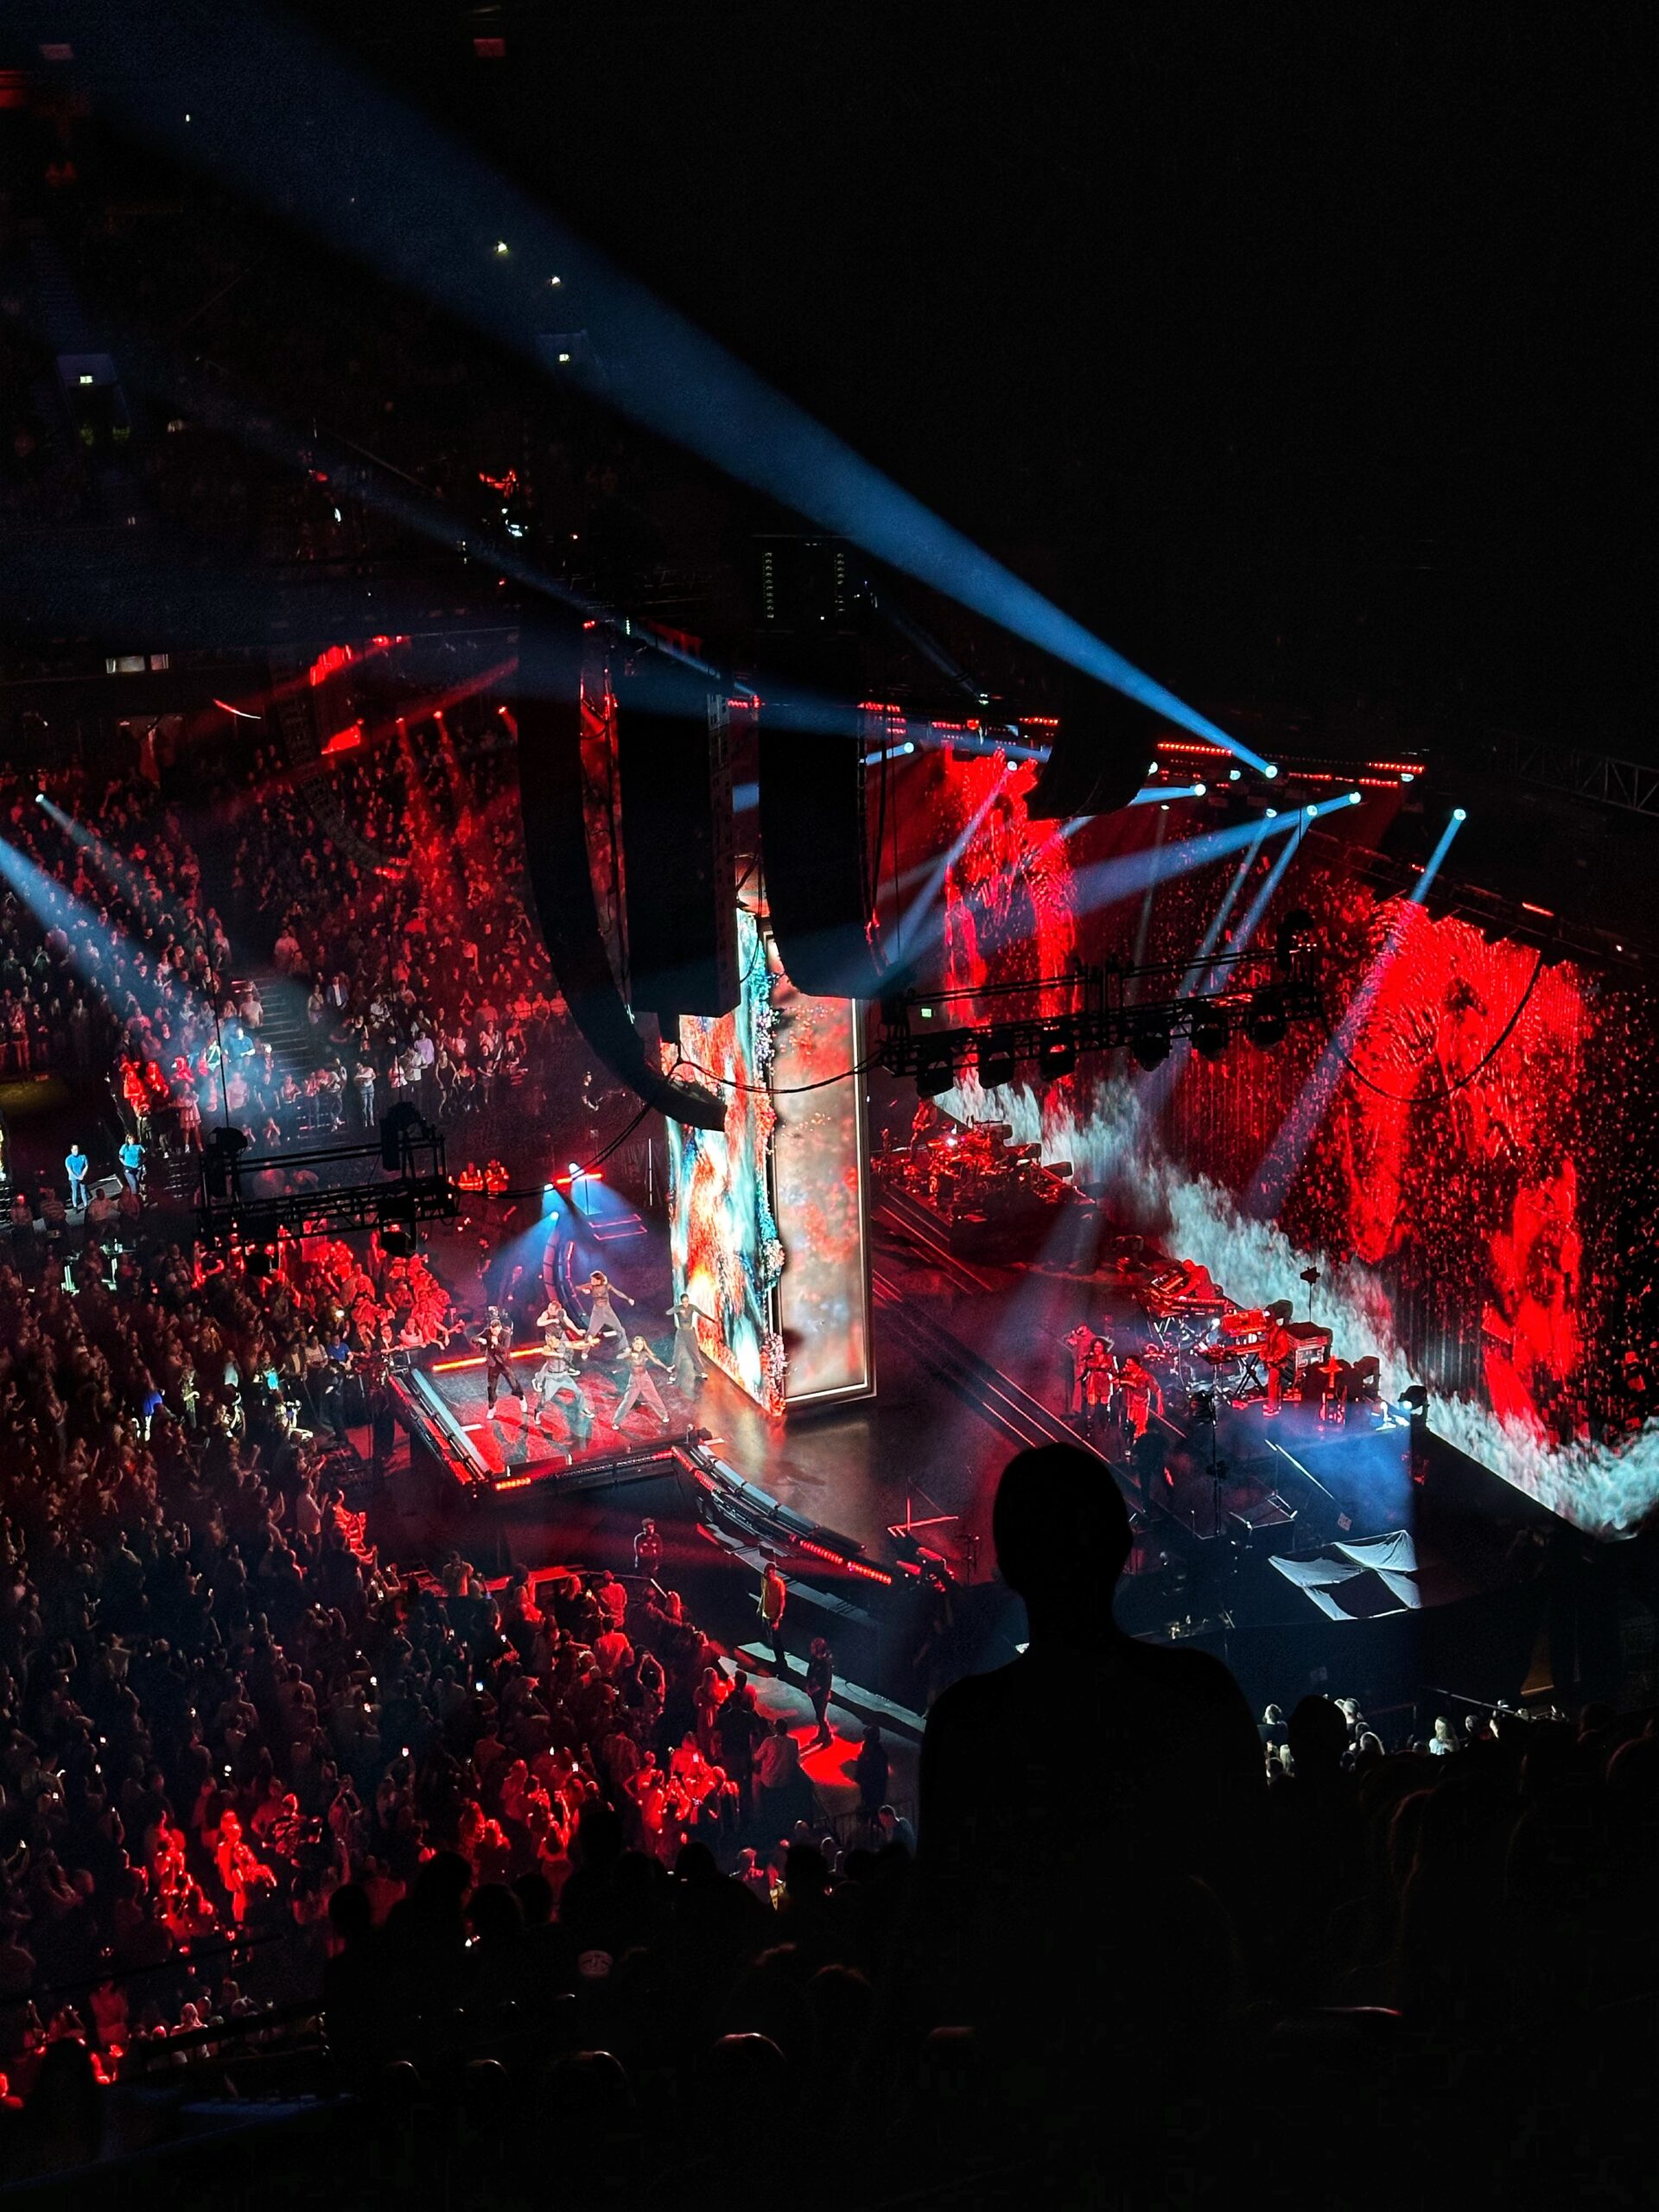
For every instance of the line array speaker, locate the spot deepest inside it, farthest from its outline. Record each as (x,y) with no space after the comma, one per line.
(555,842)
(676,781)
(812,835)
(1100,754)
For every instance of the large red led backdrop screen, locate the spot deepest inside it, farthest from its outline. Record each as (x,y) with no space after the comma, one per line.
(1464,1154)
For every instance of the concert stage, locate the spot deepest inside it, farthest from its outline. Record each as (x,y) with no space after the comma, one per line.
(507,1448)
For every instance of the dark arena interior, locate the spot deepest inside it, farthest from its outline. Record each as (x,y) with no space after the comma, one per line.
(829,1107)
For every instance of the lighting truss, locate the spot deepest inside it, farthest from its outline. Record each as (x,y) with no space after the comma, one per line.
(1098,1009)
(1599,777)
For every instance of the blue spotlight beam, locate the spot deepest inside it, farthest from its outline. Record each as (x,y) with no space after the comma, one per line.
(1258,906)
(1442,847)
(1161,1081)
(1103,883)
(910,925)
(220,89)
(1284,1156)
(49,902)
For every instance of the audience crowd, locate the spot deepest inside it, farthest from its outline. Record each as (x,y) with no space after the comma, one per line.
(245,1763)
(344,989)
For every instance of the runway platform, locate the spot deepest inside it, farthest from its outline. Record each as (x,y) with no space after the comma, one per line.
(516,1443)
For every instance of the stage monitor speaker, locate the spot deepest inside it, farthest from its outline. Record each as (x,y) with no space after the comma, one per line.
(676,781)
(812,836)
(1100,755)
(560,879)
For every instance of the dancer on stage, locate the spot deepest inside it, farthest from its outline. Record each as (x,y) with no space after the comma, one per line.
(602,1315)
(496,1344)
(686,1362)
(558,1383)
(640,1357)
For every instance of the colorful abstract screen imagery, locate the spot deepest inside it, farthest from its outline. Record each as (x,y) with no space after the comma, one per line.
(768,1214)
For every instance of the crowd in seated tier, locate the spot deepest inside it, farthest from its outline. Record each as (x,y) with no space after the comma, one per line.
(242,1759)
(424,980)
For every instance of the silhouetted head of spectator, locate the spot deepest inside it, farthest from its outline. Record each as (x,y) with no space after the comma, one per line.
(351,1916)
(748,2067)
(535,1895)
(695,1865)
(64,2115)
(1319,1737)
(440,1885)
(496,1914)
(598,1835)
(1061,1531)
(805,1874)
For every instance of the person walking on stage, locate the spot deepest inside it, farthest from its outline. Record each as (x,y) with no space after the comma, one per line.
(1142,1395)
(131,1156)
(496,1344)
(686,1360)
(602,1315)
(820,1681)
(76,1166)
(772,1604)
(640,1357)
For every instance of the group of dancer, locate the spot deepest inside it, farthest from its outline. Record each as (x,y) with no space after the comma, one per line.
(561,1384)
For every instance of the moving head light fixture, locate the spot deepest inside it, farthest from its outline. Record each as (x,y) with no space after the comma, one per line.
(1250,994)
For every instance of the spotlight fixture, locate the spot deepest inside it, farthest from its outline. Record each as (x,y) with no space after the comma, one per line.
(934,1073)
(1210,1033)
(1057,1059)
(1266,1023)
(1459,814)
(40,799)
(996,1060)
(1354,799)
(1415,1398)
(1149,1047)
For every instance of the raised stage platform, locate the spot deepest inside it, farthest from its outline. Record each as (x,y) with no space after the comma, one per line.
(514,1444)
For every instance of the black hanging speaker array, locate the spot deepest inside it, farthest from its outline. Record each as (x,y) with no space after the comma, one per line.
(561,878)
(1099,757)
(812,839)
(674,775)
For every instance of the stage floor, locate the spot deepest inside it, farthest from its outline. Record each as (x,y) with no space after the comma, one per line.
(519,1436)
